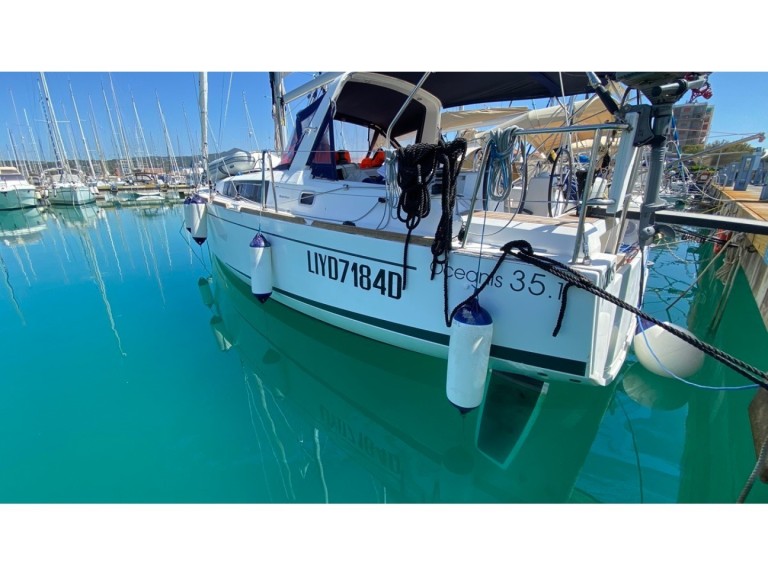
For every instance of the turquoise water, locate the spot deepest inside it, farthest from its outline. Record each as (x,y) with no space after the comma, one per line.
(136,370)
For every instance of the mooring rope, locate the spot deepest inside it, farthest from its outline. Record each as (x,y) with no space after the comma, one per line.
(451,156)
(524,252)
(416,165)
(416,168)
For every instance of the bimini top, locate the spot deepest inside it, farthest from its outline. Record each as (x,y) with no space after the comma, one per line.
(465,88)
(375,98)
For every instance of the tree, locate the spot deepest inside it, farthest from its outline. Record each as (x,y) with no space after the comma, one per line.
(724,153)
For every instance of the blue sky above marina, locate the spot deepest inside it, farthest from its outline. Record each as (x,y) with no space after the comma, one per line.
(738,98)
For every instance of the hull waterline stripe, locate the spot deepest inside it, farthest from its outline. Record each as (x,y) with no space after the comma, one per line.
(531,358)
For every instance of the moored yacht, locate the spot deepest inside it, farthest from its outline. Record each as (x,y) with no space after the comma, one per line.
(15,191)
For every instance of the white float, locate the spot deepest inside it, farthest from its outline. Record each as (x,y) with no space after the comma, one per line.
(468,355)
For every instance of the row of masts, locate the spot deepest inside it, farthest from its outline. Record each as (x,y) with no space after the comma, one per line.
(29,157)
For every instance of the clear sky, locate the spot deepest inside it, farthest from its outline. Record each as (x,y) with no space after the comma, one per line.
(739,101)
(154,52)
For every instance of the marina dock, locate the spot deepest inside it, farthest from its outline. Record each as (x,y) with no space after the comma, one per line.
(746,204)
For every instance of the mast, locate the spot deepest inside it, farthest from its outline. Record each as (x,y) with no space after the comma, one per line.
(204,119)
(53,127)
(171,157)
(34,144)
(251,133)
(141,133)
(115,140)
(121,131)
(82,134)
(14,152)
(278,109)
(104,170)
(71,140)
(25,162)
(192,147)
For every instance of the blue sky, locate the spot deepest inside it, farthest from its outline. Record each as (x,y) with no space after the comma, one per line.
(739,101)
(155,52)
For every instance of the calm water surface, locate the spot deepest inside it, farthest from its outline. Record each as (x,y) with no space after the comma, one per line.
(136,370)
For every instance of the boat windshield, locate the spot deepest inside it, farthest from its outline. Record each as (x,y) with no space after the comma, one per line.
(11,178)
(303,120)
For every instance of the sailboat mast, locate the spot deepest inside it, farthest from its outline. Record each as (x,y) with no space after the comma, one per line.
(71,140)
(169,146)
(278,109)
(53,127)
(141,134)
(82,134)
(121,131)
(25,163)
(251,133)
(34,144)
(102,160)
(204,119)
(117,148)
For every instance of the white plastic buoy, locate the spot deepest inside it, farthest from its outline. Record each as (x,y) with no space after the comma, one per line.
(657,349)
(261,267)
(469,352)
(195,217)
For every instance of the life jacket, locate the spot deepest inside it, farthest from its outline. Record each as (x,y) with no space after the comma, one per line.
(375,161)
(342,157)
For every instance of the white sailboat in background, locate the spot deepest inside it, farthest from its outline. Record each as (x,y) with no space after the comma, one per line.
(65,187)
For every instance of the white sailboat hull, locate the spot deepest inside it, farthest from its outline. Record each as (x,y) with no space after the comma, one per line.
(353,278)
(74,195)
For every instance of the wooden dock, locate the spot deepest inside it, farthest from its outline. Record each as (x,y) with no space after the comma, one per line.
(746,204)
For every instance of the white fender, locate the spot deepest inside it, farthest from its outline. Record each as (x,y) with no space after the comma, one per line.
(261,267)
(468,356)
(662,352)
(195,211)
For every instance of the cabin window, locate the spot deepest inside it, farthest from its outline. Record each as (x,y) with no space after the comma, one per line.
(307,198)
(12,178)
(248,189)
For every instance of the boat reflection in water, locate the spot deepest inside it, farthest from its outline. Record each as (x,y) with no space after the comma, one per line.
(333,405)
(24,226)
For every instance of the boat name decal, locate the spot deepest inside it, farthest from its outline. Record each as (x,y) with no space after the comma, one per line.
(518,281)
(387,282)
(338,426)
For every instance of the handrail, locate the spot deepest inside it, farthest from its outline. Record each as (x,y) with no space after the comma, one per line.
(405,105)
(585,197)
(555,130)
(574,128)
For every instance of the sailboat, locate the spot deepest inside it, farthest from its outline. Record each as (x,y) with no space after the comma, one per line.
(65,186)
(423,254)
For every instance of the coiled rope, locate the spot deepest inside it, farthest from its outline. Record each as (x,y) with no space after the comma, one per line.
(416,168)
(451,156)
(416,165)
(524,251)
(498,167)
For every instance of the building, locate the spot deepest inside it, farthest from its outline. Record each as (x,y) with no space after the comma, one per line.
(692,122)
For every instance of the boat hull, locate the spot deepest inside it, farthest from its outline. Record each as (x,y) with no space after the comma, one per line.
(354,279)
(71,196)
(17,198)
